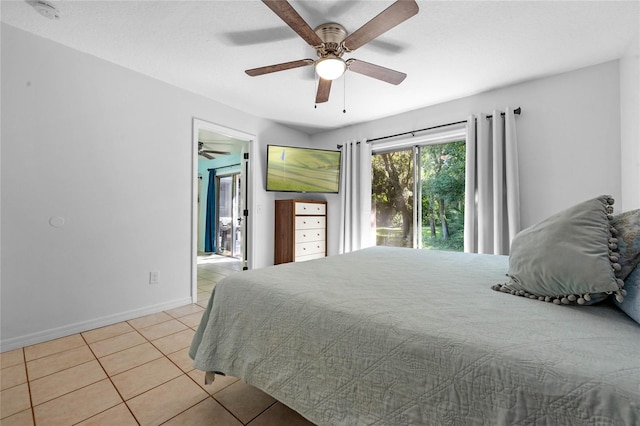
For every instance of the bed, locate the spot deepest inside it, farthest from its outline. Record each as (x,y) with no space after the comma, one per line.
(393,336)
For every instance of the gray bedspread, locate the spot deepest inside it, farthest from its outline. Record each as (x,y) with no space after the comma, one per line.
(392,336)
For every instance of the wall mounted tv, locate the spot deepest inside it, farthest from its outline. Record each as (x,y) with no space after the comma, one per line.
(295,169)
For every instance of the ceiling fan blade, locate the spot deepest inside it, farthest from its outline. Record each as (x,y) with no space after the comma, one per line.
(376,71)
(395,14)
(205,155)
(210,151)
(279,67)
(324,87)
(289,15)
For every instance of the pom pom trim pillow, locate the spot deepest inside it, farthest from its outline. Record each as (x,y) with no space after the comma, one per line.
(569,258)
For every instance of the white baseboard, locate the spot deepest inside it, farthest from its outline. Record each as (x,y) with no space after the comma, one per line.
(79,327)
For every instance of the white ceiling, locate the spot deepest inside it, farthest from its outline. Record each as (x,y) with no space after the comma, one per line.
(451,49)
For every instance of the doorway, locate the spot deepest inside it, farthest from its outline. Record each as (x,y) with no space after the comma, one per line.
(221,196)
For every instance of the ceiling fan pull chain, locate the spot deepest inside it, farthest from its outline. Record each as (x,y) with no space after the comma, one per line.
(344,93)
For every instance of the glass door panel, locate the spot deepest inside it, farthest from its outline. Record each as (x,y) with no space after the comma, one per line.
(392,193)
(237,217)
(442,186)
(229,216)
(225,215)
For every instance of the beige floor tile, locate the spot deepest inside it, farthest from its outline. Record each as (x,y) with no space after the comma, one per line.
(11,358)
(118,415)
(13,376)
(15,400)
(166,401)
(182,359)
(23,418)
(149,320)
(206,413)
(206,274)
(78,405)
(65,381)
(219,276)
(280,414)
(53,346)
(184,310)
(147,376)
(117,344)
(206,287)
(244,401)
(192,320)
(129,358)
(174,342)
(59,361)
(163,329)
(218,384)
(203,296)
(106,332)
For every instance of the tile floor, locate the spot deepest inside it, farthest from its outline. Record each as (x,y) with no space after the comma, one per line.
(136,372)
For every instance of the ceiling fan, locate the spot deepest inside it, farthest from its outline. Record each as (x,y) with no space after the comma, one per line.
(331,41)
(206,153)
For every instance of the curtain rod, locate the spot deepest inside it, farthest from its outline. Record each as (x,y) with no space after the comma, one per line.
(516,111)
(223,167)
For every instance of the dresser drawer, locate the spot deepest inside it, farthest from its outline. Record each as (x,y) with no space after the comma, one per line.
(310,222)
(311,208)
(312,247)
(307,235)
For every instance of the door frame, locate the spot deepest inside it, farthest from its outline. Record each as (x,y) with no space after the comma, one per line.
(249,188)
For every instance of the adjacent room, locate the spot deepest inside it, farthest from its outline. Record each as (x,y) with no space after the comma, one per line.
(319,212)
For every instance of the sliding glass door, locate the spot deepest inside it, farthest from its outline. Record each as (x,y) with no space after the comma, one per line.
(418,196)
(229,215)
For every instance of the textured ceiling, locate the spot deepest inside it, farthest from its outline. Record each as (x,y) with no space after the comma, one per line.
(449,50)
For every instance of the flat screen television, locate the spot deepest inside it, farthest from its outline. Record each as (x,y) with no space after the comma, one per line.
(295,169)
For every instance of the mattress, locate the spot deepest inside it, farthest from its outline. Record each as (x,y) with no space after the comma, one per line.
(393,336)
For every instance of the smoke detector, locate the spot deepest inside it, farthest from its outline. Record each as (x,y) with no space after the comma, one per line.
(45,9)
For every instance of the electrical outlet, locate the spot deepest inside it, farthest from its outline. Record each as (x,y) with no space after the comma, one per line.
(154,277)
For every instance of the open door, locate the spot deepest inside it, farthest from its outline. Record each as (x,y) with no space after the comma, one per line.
(226,152)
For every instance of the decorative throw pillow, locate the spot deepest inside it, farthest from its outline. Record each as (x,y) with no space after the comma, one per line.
(631,303)
(569,258)
(627,227)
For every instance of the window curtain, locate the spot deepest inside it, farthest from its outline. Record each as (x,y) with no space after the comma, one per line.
(492,199)
(210,224)
(355,197)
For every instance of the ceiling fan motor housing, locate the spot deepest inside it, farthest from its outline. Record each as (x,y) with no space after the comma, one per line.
(332,35)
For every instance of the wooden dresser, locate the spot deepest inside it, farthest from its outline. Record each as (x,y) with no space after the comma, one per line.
(300,230)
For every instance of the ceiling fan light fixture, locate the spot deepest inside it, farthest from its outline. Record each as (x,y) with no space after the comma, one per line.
(330,67)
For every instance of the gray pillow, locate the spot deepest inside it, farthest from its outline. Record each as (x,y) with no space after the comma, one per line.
(569,258)
(627,230)
(631,303)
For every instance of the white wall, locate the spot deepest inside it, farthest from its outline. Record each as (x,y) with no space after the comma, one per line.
(568,135)
(630,126)
(110,152)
